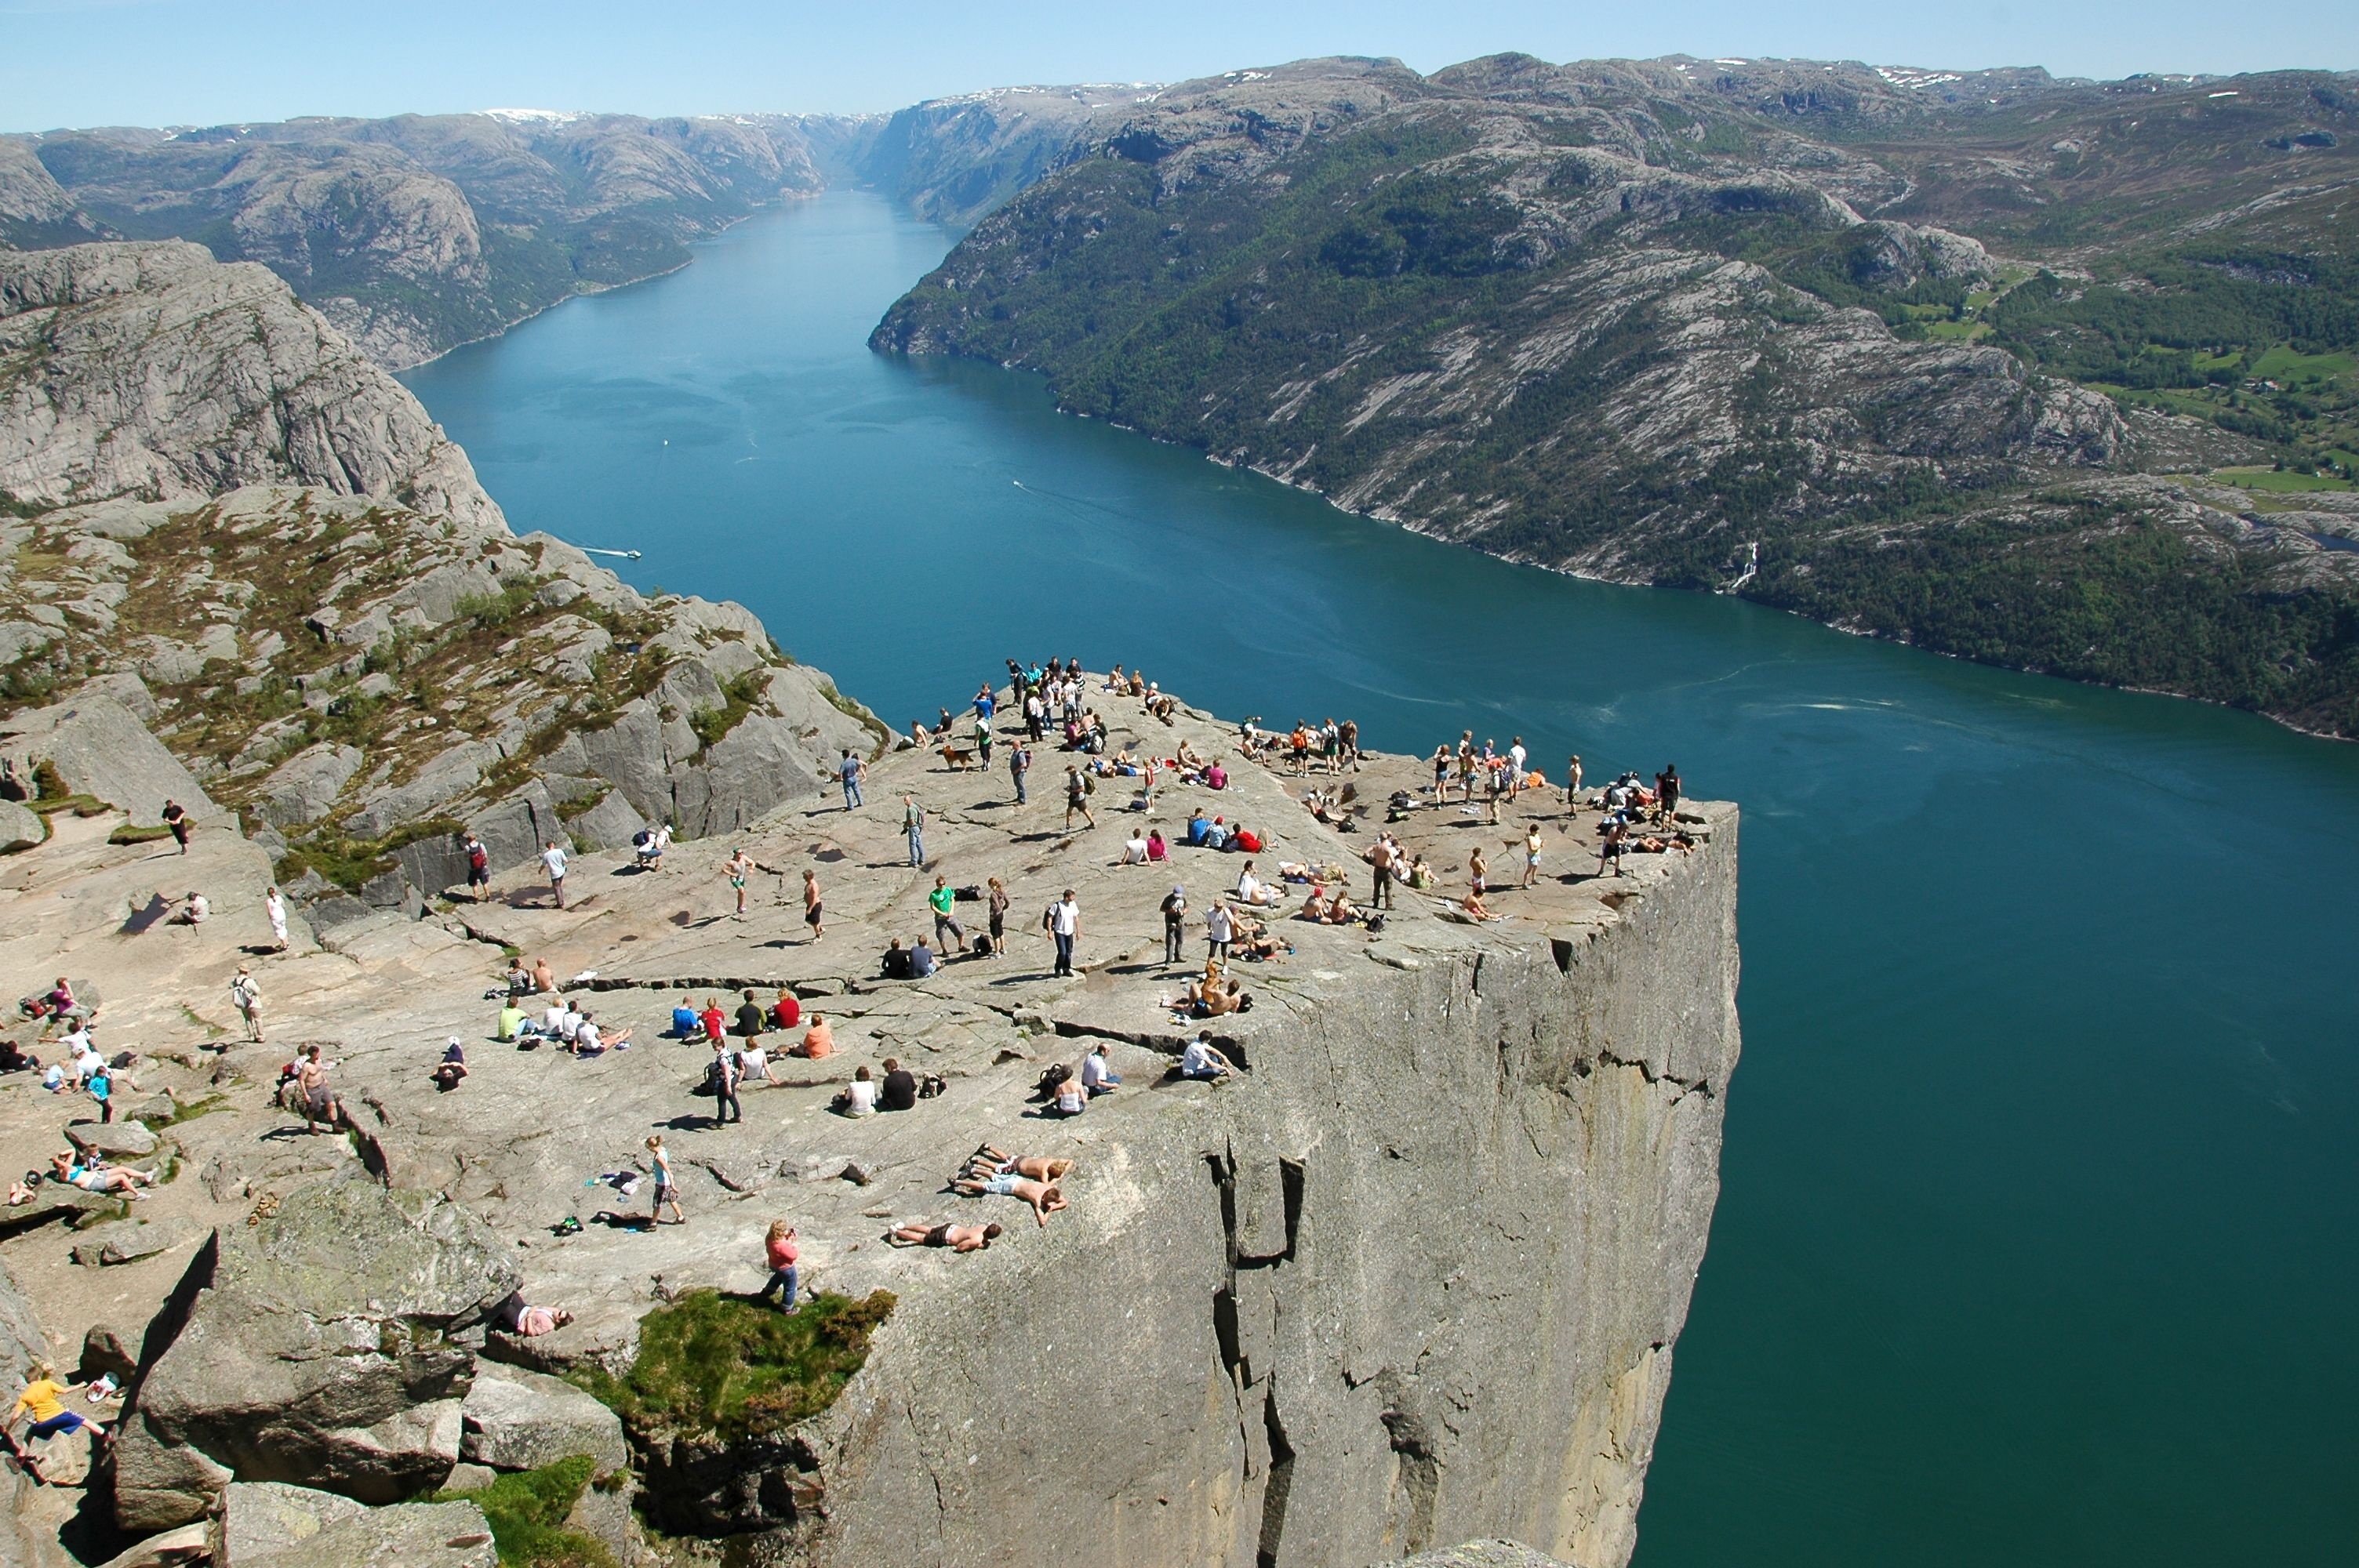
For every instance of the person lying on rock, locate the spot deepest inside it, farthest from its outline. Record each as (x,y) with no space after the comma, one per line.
(957,1238)
(452,1068)
(94,1178)
(23,1192)
(1045,1197)
(988,1161)
(532,1322)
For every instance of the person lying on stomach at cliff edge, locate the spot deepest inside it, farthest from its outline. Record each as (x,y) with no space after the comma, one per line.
(957,1238)
(1046,1197)
(988,1161)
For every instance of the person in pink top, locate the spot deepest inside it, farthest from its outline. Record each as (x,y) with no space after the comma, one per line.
(779,1250)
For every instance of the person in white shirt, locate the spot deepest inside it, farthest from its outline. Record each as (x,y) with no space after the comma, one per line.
(754,1063)
(585,1038)
(1098,1075)
(1200,1060)
(1220,927)
(553,858)
(1134,853)
(859,1096)
(1065,926)
(1252,889)
(275,907)
(87,1063)
(195,912)
(1516,756)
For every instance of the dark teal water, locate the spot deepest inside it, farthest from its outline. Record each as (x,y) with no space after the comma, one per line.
(2038,1240)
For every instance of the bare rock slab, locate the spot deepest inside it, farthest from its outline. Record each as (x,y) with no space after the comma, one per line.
(516,1420)
(115,1139)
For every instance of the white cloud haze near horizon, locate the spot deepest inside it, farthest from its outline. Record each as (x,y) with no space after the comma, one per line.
(156,62)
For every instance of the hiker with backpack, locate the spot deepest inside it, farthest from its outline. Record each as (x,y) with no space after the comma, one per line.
(479,874)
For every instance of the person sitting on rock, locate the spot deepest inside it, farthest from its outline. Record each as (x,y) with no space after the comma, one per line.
(13,1058)
(1134,850)
(1045,1197)
(544,978)
(1070,1098)
(195,910)
(1201,1060)
(685,1023)
(514,1024)
(519,980)
(957,1238)
(819,1040)
(896,961)
(922,962)
(859,1096)
(787,1012)
(453,1067)
(1098,1077)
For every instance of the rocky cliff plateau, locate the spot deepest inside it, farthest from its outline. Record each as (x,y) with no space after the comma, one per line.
(1415,1276)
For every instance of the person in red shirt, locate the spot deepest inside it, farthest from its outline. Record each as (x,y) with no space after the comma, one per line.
(781,1253)
(714,1021)
(787,1012)
(1250,842)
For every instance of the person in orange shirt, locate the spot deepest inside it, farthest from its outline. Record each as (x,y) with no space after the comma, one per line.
(819,1040)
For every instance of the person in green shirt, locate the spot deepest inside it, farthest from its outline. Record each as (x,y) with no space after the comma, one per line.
(512,1020)
(947,930)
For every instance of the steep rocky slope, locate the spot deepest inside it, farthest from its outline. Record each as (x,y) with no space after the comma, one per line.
(419,233)
(228,516)
(1732,326)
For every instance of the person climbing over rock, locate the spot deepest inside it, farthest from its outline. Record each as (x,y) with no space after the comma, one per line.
(781,1254)
(1045,1197)
(43,1401)
(665,1194)
(957,1238)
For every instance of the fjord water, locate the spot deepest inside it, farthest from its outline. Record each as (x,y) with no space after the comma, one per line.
(2039,1234)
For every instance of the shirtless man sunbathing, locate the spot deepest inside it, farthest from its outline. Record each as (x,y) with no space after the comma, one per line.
(957,1238)
(1045,1197)
(990,1162)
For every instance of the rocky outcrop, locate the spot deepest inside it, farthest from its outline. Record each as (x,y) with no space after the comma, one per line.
(344,645)
(380,223)
(269,1525)
(153,372)
(515,1420)
(317,1348)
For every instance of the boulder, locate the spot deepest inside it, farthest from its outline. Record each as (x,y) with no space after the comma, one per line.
(106,1352)
(412,1535)
(190,1543)
(128,1240)
(1479,1554)
(20,827)
(318,1346)
(517,1419)
(259,1519)
(21,1344)
(100,748)
(115,1139)
(302,788)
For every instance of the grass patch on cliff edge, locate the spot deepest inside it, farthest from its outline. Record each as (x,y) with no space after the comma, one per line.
(737,1368)
(527,1511)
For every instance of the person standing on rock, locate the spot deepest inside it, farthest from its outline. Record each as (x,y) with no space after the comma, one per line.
(176,817)
(782,1254)
(1220,930)
(739,866)
(1019,766)
(1666,790)
(553,860)
(1572,783)
(913,823)
(1531,855)
(659,1167)
(274,908)
(319,1101)
(949,936)
(852,771)
(811,913)
(725,1074)
(478,869)
(247,995)
(1380,867)
(1175,921)
(1065,926)
(983,739)
(1077,798)
(995,907)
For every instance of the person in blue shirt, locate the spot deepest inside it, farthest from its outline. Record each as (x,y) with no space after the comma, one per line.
(1198,826)
(984,704)
(921,960)
(684,1019)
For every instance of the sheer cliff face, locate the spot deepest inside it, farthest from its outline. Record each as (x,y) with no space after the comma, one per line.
(1420,1282)
(152,371)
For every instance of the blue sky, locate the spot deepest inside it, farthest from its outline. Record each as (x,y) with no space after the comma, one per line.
(88,63)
